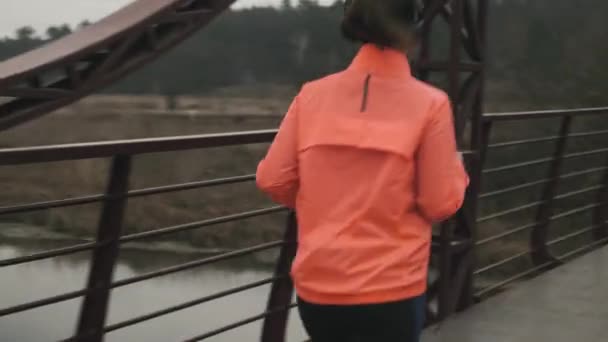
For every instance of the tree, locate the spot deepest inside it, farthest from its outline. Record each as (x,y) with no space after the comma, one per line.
(535,57)
(25,33)
(56,32)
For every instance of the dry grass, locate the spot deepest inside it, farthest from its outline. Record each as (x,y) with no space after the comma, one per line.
(86,122)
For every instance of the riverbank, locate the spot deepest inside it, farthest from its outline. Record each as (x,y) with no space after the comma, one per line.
(18,233)
(31,239)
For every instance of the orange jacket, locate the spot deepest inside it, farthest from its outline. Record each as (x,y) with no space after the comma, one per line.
(368,158)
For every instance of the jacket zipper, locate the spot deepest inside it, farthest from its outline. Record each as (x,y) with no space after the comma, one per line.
(365,93)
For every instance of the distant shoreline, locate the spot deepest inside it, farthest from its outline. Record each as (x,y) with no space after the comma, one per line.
(17,232)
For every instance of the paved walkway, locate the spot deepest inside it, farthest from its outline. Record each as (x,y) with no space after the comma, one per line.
(568,304)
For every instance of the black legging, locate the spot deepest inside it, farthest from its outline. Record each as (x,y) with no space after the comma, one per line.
(400,321)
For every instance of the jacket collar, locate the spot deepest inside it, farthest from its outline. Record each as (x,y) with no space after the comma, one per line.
(383,62)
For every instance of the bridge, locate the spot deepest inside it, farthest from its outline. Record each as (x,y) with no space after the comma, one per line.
(489,280)
(565,304)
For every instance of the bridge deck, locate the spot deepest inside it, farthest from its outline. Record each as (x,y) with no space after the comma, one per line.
(567,304)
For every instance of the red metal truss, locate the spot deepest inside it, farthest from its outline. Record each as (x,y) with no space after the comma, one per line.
(55,75)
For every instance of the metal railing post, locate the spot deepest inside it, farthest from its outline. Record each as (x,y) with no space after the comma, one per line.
(281,294)
(446,236)
(454,73)
(94,308)
(538,241)
(447,295)
(456,278)
(471,208)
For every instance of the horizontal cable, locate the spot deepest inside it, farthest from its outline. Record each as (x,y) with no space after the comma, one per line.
(535,204)
(240,323)
(573,212)
(541,114)
(189,304)
(579,192)
(541,182)
(546,139)
(198,263)
(509,211)
(191,185)
(587,134)
(91,245)
(571,235)
(506,234)
(543,161)
(175,308)
(200,224)
(165,271)
(583,172)
(483,292)
(513,188)
(514,278)
(518,165)
(131,194)
(501,263)
(50,254)
(43,302)
(585,153)
(523,142)
(52,204)
(584,249)
(510,232)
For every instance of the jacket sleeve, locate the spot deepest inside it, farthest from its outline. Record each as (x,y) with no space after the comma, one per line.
(441,176)
(277,173)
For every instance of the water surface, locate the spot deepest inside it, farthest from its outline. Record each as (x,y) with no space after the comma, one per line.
(41,279)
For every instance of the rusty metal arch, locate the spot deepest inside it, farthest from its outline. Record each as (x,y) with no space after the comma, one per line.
(59,73)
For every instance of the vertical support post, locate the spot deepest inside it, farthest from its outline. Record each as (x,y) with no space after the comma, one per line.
(447,296)
(467,299)
(480,137)
(456,23)
(275,325)
(477,142)
(600,214)
(540,251)
(424,54)
(446,237)
(456,243)
(456,264)
(94,308)
(461,281)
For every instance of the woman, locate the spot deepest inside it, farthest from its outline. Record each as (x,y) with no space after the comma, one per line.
(368,159)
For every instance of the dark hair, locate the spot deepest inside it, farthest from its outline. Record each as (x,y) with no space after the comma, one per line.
(386,23)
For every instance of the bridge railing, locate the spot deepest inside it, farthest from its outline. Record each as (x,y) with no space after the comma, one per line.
(468,241)
(550,202)
(91,324)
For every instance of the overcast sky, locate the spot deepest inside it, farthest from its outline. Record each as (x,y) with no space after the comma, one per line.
(43,13)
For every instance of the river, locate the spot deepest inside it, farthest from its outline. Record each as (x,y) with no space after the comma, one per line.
(46,278)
